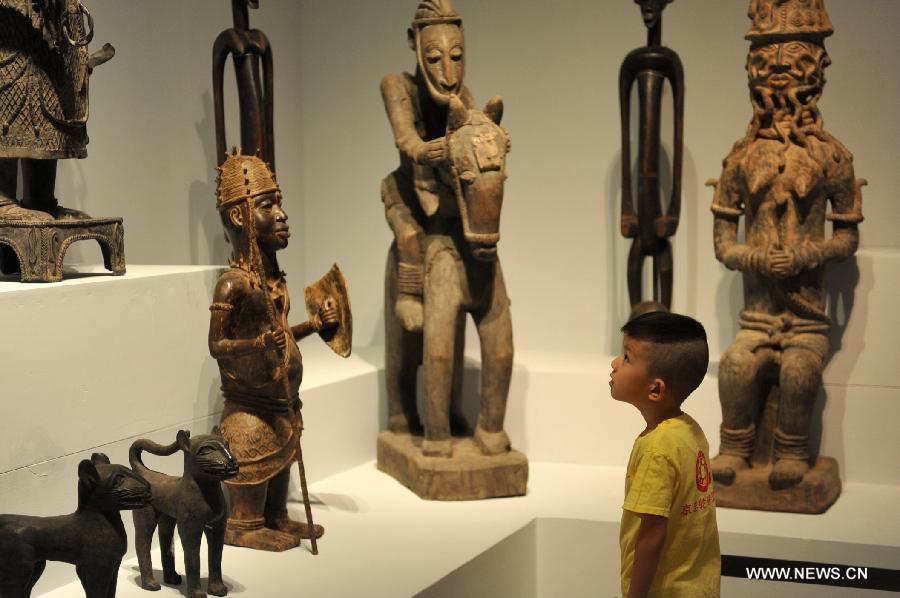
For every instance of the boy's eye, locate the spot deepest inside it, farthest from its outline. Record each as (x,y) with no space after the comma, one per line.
(625,358)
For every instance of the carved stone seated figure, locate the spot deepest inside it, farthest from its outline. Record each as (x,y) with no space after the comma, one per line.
(44,73)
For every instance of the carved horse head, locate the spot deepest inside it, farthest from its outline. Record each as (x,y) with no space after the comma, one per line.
(477,147)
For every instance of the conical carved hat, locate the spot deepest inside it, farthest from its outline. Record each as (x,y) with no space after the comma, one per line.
(243,177)
(433,12)
(776,20)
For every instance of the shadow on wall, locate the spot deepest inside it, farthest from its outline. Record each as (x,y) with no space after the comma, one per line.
(841,282)
(204,226)
(615,281)
(729,303)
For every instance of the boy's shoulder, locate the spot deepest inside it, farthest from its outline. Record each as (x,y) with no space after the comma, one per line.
(681,432)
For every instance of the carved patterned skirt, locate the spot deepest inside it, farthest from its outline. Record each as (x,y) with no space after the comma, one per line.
(264,441)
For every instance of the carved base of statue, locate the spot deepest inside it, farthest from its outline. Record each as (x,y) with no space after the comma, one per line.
(755,487)
(467,475)
(35,247)
(751,489)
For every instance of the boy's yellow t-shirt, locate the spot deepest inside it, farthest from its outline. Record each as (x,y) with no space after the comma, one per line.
(668,475)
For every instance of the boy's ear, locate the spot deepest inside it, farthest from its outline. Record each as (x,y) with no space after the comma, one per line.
(657,390)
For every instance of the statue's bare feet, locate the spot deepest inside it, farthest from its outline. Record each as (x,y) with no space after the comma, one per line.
(10,210)
(297,529)
(61,213)
(261,539)
(787,472)
(725,467)
(217,588)
(398,424)
(410,311)
(492,443)
(437,448)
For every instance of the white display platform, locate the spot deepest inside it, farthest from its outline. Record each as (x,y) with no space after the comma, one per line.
(114,359)
(382,541)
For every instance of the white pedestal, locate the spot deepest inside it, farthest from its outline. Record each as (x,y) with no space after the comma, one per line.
(96,362)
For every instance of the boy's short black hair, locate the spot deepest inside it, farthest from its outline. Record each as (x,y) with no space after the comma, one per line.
(679,352)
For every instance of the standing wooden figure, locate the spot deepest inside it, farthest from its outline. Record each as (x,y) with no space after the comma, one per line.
(443,205)
(248,47)
(259,360)
(649,67)
(781,177)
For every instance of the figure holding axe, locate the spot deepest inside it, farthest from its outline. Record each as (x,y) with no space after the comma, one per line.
(260,363)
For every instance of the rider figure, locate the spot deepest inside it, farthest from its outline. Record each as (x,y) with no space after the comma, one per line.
(417,107)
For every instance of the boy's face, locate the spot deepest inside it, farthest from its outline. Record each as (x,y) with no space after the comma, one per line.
(630,379)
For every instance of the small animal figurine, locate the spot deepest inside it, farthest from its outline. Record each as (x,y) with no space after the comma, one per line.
(194,502)
(92,538)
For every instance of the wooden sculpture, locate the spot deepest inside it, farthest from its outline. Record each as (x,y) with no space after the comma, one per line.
(649,67)
(443,205)
(781,178)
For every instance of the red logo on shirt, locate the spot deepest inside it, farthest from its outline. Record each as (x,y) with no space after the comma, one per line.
(703,477)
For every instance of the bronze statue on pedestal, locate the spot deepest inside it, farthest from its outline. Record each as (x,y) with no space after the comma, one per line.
(259,361)
(443,205)
(781,177)
(649,67)
(45,70)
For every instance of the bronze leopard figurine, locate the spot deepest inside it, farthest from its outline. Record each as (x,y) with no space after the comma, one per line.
(194,503)
(92,538)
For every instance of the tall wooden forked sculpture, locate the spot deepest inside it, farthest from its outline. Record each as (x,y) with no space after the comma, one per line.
(781,177)
(250,50)
(649,67)
(45,70)
(443,206)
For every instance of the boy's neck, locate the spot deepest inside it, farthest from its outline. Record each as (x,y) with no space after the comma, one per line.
(655,414)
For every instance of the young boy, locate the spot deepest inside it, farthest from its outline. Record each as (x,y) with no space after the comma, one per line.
(668,536)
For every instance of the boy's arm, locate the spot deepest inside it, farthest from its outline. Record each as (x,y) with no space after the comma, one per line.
(647,552)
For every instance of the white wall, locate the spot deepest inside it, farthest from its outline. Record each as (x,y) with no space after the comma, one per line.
(556,65)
